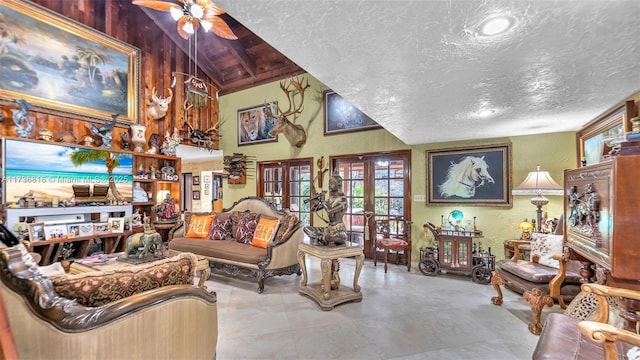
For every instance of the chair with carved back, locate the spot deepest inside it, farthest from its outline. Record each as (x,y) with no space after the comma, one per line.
(392,233)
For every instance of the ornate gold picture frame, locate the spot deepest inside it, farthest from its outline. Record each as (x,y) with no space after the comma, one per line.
(66,68)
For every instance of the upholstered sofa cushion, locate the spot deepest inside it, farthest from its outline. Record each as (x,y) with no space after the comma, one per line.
(221,229)
(544,246)
(229,250)
(536,273)
(102,287)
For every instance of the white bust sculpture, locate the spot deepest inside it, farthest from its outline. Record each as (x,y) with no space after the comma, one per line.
(139,195)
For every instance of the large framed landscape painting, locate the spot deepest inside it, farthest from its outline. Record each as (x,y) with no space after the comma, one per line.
(342,117)
(63,67)
(474,175)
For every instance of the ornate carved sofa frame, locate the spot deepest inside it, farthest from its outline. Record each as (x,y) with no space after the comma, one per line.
(567,337)
(234,258)
(174,321)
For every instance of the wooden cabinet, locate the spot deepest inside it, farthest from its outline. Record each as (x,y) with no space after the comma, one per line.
(78,246)
(601,208)
(455,252)
(159,176)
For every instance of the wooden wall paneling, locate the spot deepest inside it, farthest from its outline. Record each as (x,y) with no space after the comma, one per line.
(165,76)
(159,57)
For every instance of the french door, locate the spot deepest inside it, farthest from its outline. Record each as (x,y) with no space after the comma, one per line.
(377,184)
(287,184)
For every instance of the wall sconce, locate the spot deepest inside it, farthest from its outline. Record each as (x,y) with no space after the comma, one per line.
(526,228)
(538,183)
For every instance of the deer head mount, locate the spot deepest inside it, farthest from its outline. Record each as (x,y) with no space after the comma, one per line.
(159,105)
(294,133)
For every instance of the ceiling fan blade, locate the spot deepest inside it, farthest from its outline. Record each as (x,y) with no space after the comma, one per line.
(221,29)
(210,9)
(157,5)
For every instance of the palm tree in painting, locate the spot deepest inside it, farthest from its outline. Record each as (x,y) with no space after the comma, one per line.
(91,59)
(111,160)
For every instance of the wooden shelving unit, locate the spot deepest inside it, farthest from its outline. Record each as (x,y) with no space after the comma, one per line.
(159,186)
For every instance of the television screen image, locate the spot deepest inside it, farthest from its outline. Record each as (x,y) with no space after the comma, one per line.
(49,170)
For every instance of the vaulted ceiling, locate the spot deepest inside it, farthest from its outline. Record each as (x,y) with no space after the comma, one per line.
(427,71)
(232,65)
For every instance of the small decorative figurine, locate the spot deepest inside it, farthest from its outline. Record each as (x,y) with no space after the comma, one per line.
(21,118)
(45,134)
(154,139)
(105,132)
(171,142)
(124,136)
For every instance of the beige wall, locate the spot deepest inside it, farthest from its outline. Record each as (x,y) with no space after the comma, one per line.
(554,152)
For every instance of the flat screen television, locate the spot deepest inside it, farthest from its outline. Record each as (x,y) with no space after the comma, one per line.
(49,170)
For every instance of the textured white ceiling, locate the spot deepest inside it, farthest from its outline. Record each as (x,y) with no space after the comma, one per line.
(420,69)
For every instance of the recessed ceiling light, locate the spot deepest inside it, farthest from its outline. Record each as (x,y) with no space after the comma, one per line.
(485,112)
(495,25)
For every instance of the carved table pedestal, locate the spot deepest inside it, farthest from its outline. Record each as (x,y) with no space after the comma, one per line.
(328,293)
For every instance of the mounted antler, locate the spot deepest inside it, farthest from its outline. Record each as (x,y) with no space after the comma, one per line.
(293,132)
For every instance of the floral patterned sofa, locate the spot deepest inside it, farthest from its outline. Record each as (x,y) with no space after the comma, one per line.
(250,238)
(143,312)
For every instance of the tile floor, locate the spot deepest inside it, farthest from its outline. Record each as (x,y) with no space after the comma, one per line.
(403,315)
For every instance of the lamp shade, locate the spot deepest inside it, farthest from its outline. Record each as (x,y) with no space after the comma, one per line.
(538,183)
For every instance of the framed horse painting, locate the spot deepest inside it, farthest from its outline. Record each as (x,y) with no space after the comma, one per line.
(475,175)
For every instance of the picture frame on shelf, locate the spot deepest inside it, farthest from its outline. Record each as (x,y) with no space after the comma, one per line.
(36,25)
(254,124)
(55,232)
(85,229)
(196,180)
(36,231)
(342,117)
(73,230)
(452,176)
(116,224)
(196,195)
(101,228)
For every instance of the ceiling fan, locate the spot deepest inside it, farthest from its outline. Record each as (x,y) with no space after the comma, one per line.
(191,14)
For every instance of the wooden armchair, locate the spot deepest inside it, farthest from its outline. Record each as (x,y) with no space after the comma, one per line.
(392,233)
(170,322)
(566,337)
(547,277)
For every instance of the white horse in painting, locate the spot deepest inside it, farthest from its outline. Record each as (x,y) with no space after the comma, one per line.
(465,176)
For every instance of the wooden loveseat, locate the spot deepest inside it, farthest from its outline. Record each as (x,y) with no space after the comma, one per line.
(227,239)
(169,322)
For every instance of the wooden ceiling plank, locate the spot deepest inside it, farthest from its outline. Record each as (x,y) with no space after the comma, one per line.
(204,64)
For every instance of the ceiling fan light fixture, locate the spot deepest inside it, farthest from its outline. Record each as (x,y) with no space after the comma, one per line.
(206,25)
(188,27)
(196,11)
(495,25)
(176,13)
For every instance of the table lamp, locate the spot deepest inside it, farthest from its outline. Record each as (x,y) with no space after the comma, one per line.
(526,228)
(538,183)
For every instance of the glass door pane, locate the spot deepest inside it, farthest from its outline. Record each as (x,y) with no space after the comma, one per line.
(353,185)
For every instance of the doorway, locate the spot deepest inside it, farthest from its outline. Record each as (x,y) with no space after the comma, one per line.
(377,184)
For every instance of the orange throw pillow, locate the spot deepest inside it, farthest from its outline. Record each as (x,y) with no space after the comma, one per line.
(265,232)
(199,226)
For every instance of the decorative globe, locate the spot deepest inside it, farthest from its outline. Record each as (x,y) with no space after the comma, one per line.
(456,215)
